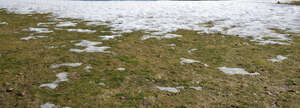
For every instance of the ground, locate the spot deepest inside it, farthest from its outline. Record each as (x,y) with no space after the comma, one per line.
(25,65)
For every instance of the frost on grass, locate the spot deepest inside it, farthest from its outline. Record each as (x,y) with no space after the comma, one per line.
(121,69)
(167,36)
(233,71)
(86,43)
(278,58)
(3,23)
(60,78)
(33,37)
(66,24)
(108,37)
(50,105)
(169,89)
(184,60)
(65,64)
(90,47)
(81,30)
(39,30)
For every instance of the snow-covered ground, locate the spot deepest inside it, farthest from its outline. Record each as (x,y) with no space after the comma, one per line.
(244,18)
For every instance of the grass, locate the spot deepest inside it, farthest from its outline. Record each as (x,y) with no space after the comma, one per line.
(293,3)
(24,65)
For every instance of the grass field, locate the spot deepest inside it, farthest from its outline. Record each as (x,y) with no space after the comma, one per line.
(25,65)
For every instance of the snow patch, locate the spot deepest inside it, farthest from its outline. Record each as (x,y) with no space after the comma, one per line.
(3,23)
(86,43)
(169,89)
(65,64)
(196,88)
(60,78)
(278,58)
(88,68)
(92,49)
(121,69)
(191,50)
(101,84)
(167,36)
(108,37)
(184,60)
(33,37)
(81,30)
(95,23)
(66,24)
(45,24)
(233,71)
(39,30)
(50,105)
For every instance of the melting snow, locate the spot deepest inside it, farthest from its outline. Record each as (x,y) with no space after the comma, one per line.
(245,18)
(3,23)
(95,23)
(172,45)
(50,105)
(196,88)
(45,24)
(33,37)
(40,30)
(65,64)
(121,69)
(81,30)
(232,71)
(279,58)
(169,89)
(66,24)
(184,60)
(107,37)
(167,36)
(86,43)
(60,77)
(191,50)
(88,68)
(101,83)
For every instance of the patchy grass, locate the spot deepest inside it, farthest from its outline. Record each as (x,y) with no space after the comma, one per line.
(293,3)
(24,65)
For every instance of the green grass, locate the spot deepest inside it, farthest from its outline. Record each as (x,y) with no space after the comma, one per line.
(24,65)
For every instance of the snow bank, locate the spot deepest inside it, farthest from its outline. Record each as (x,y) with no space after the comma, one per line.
(244,18)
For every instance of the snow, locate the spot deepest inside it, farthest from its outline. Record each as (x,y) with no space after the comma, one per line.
(169,89)
(196,88)
(184,60)
(60,78)
(86,43)
(172,45)
(33,37)
(65,64)
(39,30)
(81,30)
(108,37)
(50,105)
(233,71)
(121,69)
(3,23)
(92,49)
(101,83)
(278,58)
(88,68)
(66,24)
(95,23)
(167,36)
(45,24)
(244,18)
(191,50)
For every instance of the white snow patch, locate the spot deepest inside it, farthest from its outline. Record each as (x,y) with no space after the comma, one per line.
(167,36)
(191,50)
(101,83)
(86,43)
(172,45)
(46,24)
(108,37)
(60,78)
(233,71)
(3,23)
(92,49)
(245,18)
(50,105)
(278,58)
(39,30)
(95,23)
(88,68)
(169,89)
(66,24)
(121,69)
(81,30)
(65,64)
(184,60)
(33,37)
(196,88)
